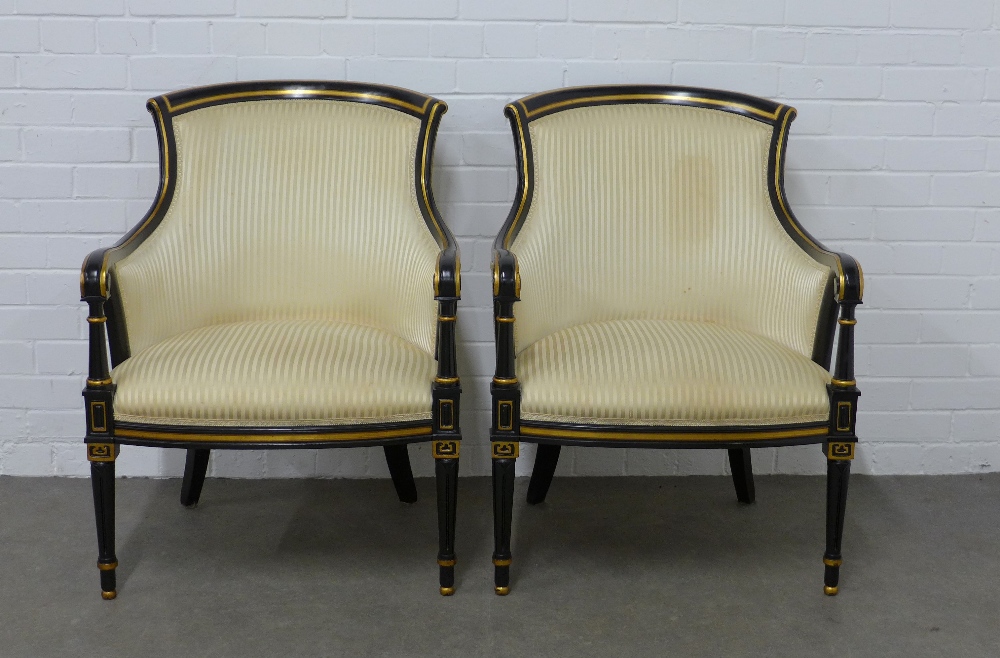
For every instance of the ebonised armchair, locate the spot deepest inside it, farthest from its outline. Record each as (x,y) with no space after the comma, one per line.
(652,289)
(292,286)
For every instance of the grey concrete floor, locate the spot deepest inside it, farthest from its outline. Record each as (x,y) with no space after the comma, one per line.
(606,567)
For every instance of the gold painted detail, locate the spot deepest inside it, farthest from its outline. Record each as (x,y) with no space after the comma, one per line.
(844,416)
(101,452)
(778,165)
(99,382)
(110,566)
(446,450)
(98,416)
(505,415)
(668,97)
(447,318)
(496,277)
(501,563)
(840,450)
(447,591)
(126,432)
(446,380)
(299,93)
(847,323)
(504,381)
(446,563)
(164,184)
(527,174)
(107,596)
(446,414)
(832,563)
(675,436)
(99,320)
(425,183)
(504,320)
(502,591)
(844,383)
(830,591)
(506,449)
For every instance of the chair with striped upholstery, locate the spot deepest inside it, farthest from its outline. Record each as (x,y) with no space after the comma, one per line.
(292,286)
(652,289)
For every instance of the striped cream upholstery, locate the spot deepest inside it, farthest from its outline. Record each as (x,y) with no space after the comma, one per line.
(276,372)
(668,372)
(651,211)
(287,209)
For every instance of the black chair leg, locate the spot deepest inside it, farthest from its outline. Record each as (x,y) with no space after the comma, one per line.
(838,473)
(742,468)
(446,471)
(398,460)
(546,459)
(102,477)
(503,506)
(195,468)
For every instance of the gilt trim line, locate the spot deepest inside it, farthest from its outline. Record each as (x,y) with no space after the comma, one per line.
(351,435)
(770,116)
(297,93)
(528,430)
(164,186)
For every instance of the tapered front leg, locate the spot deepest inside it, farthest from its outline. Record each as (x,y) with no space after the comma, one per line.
(195,468)
(503,506)
(446,470)
(102,476)
(838,472)
(742,468)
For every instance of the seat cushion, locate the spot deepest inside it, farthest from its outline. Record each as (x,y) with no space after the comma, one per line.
(276,373)
(665,372)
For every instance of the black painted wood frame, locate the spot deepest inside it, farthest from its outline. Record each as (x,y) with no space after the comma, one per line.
(108,334)
(844,293)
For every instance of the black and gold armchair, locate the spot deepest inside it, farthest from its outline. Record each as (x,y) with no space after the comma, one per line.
(652,289)
(292,286)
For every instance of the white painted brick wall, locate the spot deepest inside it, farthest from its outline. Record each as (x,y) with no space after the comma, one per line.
(895,158)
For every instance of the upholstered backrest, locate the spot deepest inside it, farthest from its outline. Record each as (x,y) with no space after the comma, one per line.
(659,211)
(287,209)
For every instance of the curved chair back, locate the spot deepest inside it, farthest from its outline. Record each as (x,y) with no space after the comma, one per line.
(300,202)
(658,204)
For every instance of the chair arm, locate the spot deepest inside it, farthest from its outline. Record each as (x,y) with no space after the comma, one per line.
(506,276)
(448,273)
(850,286)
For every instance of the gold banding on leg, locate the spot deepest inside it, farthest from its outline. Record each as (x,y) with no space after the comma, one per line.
(97,320)
(501,563)
(832,563)
(844,383)
(506,449)
(110,566)
(846,322)
(447,318)
(504,381)
(446,380)
(99,382)
(500,319)
(446,563)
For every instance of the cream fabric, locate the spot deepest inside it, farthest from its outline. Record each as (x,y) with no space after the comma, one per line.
(294,372)
(287,209)
(668,372)
(659,212)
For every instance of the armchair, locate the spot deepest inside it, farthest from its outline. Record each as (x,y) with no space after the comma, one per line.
(291,286)
(652,289)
